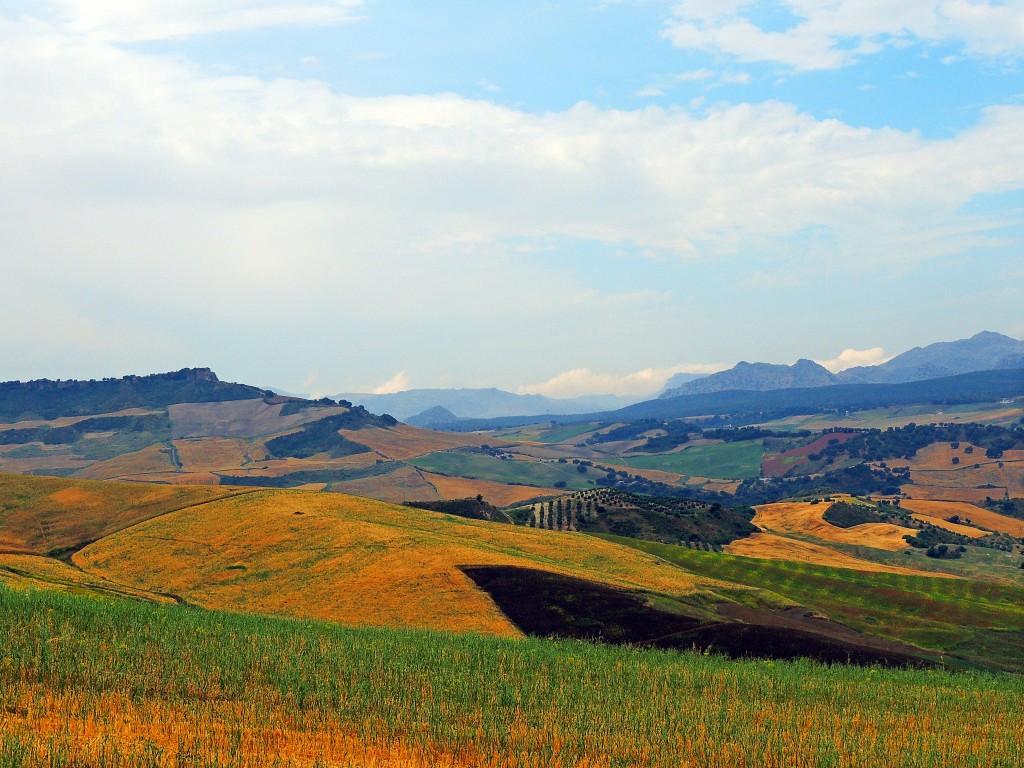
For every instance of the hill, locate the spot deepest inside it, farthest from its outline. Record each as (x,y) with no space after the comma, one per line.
(45,399)
(361,562)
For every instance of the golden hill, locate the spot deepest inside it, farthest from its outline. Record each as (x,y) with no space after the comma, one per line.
(353,560)
(40,515)
(803,517)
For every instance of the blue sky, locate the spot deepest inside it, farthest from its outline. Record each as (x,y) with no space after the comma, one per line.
(567,198)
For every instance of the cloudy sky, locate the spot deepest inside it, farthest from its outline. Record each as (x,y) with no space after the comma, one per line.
(558,197)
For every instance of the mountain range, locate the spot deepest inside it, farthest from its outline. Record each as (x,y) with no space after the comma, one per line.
(480,403)
(982,352)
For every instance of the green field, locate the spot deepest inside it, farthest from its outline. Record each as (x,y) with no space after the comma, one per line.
(481,466)
(975,563)
(120,684)
(980,621)
(729,461)
(566,432)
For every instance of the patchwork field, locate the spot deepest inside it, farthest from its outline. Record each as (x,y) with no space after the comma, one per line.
(480,466)
(938,511)
(883,418)
(726,461)
(805,518)
(404,484)
(404,442)
(152,460)
(499,494)
(238,418)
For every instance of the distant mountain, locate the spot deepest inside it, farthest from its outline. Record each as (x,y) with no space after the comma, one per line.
(750,407)
(480,403)
(758,377)
(985,351)
(978,386)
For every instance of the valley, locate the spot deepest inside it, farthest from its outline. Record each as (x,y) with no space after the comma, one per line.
(828,550)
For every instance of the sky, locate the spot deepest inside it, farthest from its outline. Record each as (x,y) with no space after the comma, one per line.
(564,198)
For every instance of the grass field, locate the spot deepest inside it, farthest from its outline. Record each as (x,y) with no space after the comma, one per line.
(976,563)
(481,466)
(968,618)
(727,461)
(123,685)
(771,546)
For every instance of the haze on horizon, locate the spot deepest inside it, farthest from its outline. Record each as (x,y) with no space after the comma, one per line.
(565,198)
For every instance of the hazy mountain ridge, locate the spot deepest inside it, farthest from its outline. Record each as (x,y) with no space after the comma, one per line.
(982,352)
(758,377)
(482,403)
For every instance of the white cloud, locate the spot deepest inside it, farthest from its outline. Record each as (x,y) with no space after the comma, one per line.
(850,358)
(307,220)
(583,381)
(397,383)
(137,20)
(828,34)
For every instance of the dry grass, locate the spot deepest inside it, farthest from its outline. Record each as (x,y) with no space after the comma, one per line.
(404,484)
(152,459)
(66,421)
(936,512)
(498,494)
(34,571)
(770,546)
(920,490)
(974,477)
(404,442)
(353,560)
(278,467)
(40,514)
(657,475)
(211,454)
(802,517)
(238,418)
(58,458)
